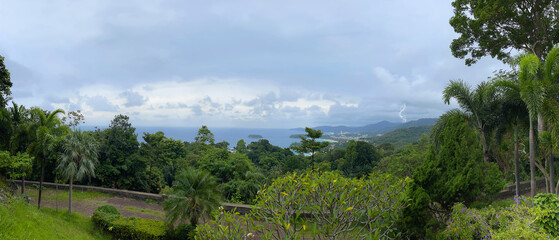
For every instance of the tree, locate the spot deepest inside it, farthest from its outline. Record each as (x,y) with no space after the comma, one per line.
(309,144)
(452,172)
(360,159)
(241,146)
(151,150)
(495,27)
(481,107)
(514,115)
(406,160)
(538,83)
(194,193)
(78,158)
(5,84)
(48,129)
(205,136)
(336,207)
(120,166)
(12,163)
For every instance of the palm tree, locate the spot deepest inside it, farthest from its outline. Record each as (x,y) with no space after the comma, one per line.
(47,128)
(514,113)
(194,193)
(532,92)
(539,89)
(480,107)
(19,141)
(78,158)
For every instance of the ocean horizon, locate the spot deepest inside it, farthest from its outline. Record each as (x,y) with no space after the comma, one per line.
(276,136)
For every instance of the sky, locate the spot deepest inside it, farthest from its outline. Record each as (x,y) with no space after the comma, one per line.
(246,64)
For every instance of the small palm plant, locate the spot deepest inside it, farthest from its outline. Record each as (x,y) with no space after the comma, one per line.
(194,193)
(78,158)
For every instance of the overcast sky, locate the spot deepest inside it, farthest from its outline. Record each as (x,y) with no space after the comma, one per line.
(268,64)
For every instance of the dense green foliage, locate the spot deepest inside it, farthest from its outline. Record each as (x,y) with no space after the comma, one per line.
(494,27)
(549,216)
(453,172)
(16,166)
(405,161)
(119,163)
(517,220)
(5,84)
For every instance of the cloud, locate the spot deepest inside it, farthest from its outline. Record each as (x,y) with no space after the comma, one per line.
(242,63)
(133,99)
(100,103)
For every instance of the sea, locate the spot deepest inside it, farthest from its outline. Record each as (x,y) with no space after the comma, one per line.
(276,136)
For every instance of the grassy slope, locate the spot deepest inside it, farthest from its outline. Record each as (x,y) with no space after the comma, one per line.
(20,220)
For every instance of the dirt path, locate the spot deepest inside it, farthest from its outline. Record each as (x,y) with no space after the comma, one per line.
(128,207)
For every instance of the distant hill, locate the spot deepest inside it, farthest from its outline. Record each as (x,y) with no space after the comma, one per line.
(371,128)
(402,136)
(377,128)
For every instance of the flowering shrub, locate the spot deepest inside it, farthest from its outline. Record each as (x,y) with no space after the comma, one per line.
(317,205)
(229,225)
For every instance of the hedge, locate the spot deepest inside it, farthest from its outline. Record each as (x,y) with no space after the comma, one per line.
(109,219)
(105,215)
(138,228)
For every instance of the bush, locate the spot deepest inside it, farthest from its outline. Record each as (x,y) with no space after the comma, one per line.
(549,217)
(337,207)
(105,215)
(109,218)
(230,225)
(138,228)
(516,221)
(182,232)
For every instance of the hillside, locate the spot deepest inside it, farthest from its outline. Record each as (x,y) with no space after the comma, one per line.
(402,136)
(381,127)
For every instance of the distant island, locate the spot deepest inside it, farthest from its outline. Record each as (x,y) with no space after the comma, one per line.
(255,136)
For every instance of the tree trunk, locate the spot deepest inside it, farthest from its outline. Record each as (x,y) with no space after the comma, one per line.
(57,197)
(149,178)
(23,181)
(551,173)
(70,202)
(516,171)
(194,221)
(312,161)
(41,182)
(532,162)
(484,146)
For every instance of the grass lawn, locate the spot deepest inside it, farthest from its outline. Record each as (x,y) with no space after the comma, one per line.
(20,220)
(147,211)
(77,196)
